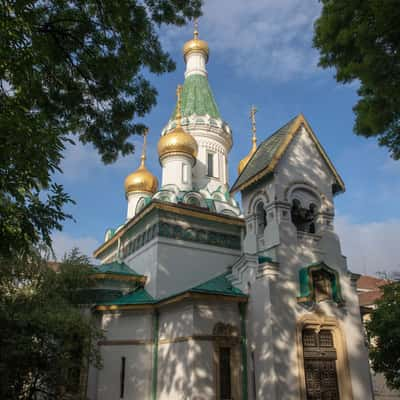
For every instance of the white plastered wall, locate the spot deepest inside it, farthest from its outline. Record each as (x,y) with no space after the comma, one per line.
(133,199)
(172,266)
(182,265)
(121,327)
(175,321)
(186,366)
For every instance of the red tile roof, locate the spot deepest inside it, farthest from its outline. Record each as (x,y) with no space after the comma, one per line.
(366,282)
(369,298)
(369,289)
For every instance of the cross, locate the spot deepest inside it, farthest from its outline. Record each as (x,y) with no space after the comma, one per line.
(178,105)
(196,28)
(253,111)
(143,156)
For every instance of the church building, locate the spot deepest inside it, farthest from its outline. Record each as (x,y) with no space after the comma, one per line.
(201,297)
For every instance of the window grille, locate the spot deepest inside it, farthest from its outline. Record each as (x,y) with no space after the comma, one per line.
(122,378)
(225,373)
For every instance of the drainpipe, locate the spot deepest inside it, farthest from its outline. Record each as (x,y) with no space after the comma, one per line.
(243,343)
(155,356)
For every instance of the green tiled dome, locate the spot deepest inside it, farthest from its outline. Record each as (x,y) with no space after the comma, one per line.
(197,98)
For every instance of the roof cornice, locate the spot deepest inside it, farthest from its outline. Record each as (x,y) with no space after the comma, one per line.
(183,210)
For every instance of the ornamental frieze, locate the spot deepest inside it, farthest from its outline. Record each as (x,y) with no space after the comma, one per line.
(173,231)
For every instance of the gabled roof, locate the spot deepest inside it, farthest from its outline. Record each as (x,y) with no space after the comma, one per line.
(369,298)
(370,289)
(271,150)
(197,98)
(117,270)
(218,285)
(115,267)
(367,282)
(139,296)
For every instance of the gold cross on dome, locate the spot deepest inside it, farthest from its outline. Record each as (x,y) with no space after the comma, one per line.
(143,156)
(178,105)
(196,28)
(253,111)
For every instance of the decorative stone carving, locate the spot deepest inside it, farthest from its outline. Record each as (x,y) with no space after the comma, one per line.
(174,231)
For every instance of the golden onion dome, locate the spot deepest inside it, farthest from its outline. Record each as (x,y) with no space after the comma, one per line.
(196,45)
(142,180)
(177,141)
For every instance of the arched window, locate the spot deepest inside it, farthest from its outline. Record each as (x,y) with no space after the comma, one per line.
(303,217)
(261,218)
(312,212)
(319,356)
(210,164)
(185,173)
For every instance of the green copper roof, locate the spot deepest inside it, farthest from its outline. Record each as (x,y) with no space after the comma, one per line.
(264,259)
(263,155)
(139,296)
(116,268)
(218,285)
(197,98)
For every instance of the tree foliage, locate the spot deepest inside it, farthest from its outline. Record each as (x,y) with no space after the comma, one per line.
(71,68)
(384,333)
(361,39)
(45,339)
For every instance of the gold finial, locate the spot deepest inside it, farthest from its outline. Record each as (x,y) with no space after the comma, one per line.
(178,106)
(143,156)
(196,29)
(253,111)
(141,180)
(245,160)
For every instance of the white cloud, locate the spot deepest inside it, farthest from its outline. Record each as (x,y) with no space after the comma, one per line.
(370,247)
(265,39)
(64,243)
(81,161)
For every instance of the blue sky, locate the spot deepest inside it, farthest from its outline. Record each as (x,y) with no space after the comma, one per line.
(261,54)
